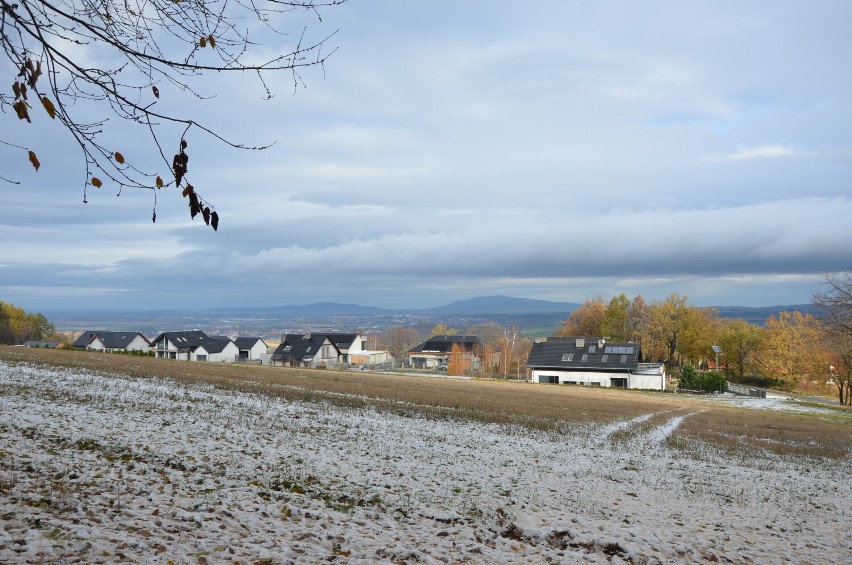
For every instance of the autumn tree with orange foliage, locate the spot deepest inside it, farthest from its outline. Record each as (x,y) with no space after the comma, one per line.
(793,348)
(586,320)
(456,363)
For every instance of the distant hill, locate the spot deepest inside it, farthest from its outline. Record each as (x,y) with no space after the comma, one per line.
(504,305)
(759,315)
(329,309)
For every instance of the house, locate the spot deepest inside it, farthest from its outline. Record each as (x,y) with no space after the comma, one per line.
(593,362)
(112,341)
(434,353)
(250,348)
(217,349)
(45,344)
(346,343)
(195,345)
(306,350)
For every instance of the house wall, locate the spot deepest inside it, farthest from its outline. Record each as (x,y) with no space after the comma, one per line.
(138,344)
(327,355)
(591,378)
(228,355)
(170,351)
(96,344)
(258,350)
(369,358)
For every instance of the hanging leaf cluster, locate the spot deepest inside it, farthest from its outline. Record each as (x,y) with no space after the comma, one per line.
(196,205)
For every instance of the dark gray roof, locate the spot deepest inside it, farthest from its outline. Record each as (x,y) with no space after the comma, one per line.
(300,347)
(444,343)
(184,339)
(572,354)
(216,344)
(247,342)
(341,340)
(111,340)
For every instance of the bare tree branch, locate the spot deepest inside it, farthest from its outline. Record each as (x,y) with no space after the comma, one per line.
(157,45)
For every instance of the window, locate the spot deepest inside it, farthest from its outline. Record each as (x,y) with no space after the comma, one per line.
(604,358)
(568,357)
(201,357)
(624,358)
(585,357)
(619,349)
(593,348)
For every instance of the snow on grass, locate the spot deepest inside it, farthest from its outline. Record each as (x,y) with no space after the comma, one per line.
(98,469)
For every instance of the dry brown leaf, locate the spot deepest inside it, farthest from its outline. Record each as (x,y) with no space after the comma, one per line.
(48,105)
(159,182)
(203,42)
(212,41)
(96,182)
(156,91)
(34,160)
(119,158)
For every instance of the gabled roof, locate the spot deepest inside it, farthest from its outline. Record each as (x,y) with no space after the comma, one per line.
(341,340)
(248,342)
(184,339)
(215,344)
(580,354)
(301,347)
(444,343)
(111,340)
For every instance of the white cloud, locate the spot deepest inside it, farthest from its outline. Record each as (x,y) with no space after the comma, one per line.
(759,152)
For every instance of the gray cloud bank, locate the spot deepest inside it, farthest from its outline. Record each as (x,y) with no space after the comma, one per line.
(454,151)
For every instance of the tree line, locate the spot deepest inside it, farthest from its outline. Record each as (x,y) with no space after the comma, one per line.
(18,326)
(792,350)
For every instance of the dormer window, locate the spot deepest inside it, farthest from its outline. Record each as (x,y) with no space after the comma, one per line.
(568,357)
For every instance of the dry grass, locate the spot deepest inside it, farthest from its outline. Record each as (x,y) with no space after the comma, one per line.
(733,430)
(545,407)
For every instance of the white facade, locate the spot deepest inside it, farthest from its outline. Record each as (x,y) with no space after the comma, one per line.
(138,343)
(326,354)
(229,354)
(650,377)
(257,351)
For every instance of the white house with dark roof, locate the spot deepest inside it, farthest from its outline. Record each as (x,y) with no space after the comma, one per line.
(112,341)
(593,362)
(306,350)
(250,349)
(216,350)
(435,352)
(195,345)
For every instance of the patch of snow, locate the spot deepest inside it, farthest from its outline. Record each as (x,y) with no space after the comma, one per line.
(98,469)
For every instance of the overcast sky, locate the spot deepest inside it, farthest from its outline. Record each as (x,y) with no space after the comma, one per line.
(554,149)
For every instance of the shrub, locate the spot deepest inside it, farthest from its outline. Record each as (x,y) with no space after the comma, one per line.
(690,379)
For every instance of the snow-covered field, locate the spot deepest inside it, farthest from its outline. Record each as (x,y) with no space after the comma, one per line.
(98,469)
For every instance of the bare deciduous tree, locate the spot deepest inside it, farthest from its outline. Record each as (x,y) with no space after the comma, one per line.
(81,62)
(835,297)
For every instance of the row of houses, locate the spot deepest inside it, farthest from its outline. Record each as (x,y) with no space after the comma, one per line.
(183,345)
(555,360)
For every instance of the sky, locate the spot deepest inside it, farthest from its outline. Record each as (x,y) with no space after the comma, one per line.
(556,150)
